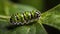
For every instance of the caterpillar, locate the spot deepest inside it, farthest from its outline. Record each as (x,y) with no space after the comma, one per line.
(24,18)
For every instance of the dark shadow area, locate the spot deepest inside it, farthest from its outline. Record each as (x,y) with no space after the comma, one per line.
(51,30)
(15,1)
(11,27)
(50,4)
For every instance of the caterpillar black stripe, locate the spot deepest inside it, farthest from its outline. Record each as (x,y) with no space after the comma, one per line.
(24,18)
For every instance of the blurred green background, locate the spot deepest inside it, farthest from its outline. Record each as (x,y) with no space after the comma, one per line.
(42,5)
(50,15)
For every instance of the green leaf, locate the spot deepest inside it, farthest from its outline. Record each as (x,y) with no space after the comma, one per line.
(35,28)
(7,9)
(52,17)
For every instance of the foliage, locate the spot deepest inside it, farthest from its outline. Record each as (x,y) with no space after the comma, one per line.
(51,17)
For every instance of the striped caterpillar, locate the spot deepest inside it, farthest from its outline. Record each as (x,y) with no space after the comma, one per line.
(24,18)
